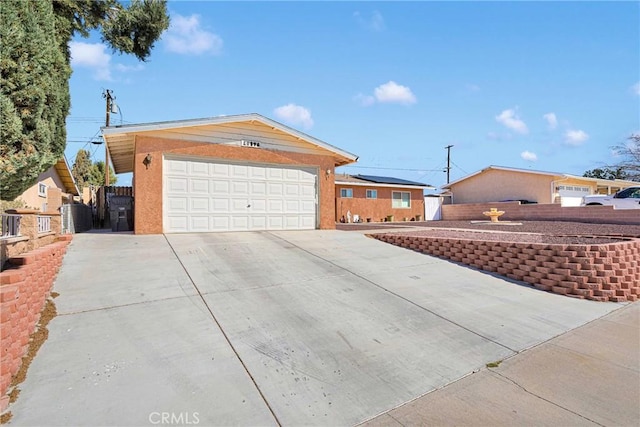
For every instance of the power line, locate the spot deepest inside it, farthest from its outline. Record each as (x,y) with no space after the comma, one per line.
(393,169)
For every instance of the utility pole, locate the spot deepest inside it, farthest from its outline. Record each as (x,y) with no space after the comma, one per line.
(448,148)
(107,95)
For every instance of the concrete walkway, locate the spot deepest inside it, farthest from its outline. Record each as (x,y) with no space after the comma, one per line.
(588,376)
(289,328)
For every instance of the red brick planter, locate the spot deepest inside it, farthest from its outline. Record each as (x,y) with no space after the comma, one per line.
(23,293)
(602,272)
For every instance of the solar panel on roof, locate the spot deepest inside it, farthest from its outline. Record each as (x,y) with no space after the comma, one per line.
(388,180)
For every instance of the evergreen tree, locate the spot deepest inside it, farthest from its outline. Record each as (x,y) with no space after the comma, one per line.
(34,94)
(35,71)
(86,173)
(97,174)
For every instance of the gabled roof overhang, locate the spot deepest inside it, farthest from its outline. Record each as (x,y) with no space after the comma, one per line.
(120,140)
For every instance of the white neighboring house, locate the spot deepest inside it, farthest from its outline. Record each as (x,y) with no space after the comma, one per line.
(629,198)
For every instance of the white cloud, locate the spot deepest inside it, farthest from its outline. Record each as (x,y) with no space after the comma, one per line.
(391,92)
(128,68)
(294,114)
(575,137)
(551,119)
(375,23)
(529,156)
(93,57)
(510,119)
(636,89)
(185,36)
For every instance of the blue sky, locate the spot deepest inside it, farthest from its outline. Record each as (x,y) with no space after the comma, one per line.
(536,85)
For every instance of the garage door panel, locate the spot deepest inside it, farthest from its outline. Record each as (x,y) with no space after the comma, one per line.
(275,222)
(275,189)
(220,205)
(239,205)
(308,191)
(204,196)
(258,188)
(240,222)
(307,222)
(276,206)
(198,169)
(199,204)
(177,204)
(258,173)
(199,186)
(259,206)
(178,224)
(177,185)
(292,206)
(177,166)
(292,190)
(219,170)
(240,187)
(308,207)
(199,223)
(220,188)
(220,223)
(239,171)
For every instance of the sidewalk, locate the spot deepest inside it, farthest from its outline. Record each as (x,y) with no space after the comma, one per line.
(588,376)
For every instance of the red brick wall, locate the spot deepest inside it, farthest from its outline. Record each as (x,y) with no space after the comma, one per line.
(514,211)
(377,209)
(23,292)
(147,182)
(605,272)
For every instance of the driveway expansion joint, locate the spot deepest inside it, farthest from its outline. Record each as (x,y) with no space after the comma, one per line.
(224,334)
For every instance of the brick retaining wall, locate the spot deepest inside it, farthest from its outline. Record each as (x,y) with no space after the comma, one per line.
(23,293)
(603,272)
(514,211)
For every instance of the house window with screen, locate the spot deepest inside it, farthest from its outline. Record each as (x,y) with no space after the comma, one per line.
(401,199)
(372,194)
(346,193)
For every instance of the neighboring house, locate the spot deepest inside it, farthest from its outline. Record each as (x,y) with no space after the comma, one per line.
(374,198)
(228,173)
(55,187)
(498,183)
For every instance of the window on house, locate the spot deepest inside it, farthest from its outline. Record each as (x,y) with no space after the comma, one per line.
(42,189)
(401,199)
(346,192)
(372,194)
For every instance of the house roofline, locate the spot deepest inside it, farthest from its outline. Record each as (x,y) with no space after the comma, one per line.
(175,124)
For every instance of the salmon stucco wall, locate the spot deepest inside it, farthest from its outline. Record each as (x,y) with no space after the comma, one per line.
(377,209)
(147,181)
(52,199)
(498,185)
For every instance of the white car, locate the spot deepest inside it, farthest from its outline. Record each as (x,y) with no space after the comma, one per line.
(629,198)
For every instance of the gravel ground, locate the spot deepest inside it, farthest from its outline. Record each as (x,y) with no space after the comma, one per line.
(528,231)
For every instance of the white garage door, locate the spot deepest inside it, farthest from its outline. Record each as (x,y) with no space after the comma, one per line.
(205,196)
(571,195)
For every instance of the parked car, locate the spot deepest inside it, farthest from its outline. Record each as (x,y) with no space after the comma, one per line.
(629,198)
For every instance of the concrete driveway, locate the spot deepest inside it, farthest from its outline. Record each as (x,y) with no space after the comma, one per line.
(290,328)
